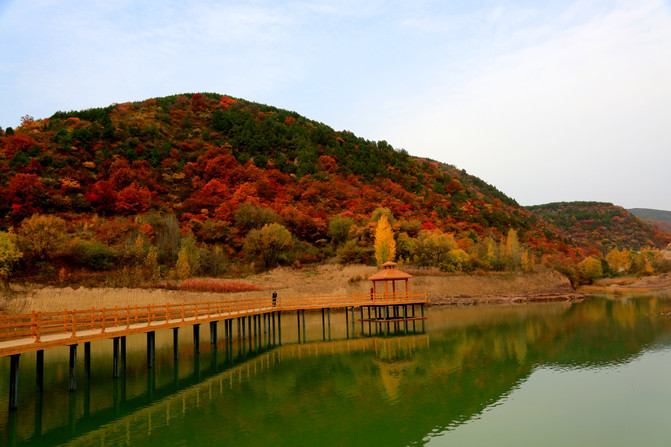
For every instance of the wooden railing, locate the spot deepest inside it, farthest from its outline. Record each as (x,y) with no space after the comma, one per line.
(57,327)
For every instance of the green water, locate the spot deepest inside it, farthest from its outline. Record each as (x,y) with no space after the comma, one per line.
(590,373)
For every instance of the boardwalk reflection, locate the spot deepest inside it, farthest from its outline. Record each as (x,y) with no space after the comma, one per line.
(119,405)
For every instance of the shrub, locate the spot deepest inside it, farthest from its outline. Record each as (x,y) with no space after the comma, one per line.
(431,249)
(339,229)
(42,234)
(352,253)
(188,260)
(271,244)
(93,255)
(195,285)
(249,217)
(213,261)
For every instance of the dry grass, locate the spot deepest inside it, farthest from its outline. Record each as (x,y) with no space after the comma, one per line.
(330,279)
(197,285)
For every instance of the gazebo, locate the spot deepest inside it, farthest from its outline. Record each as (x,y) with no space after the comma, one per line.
(390,273)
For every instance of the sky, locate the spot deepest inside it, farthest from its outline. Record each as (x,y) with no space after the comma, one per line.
(546,100)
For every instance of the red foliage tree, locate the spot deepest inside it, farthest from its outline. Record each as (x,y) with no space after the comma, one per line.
(220,166)
(14,143)
(24,194)
(303,225)
(209,197)
(102,196)
(133,199)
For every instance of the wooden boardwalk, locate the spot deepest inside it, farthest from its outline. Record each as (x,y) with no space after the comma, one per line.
(41,330)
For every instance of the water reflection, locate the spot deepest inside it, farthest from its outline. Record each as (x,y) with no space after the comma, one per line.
(361,389)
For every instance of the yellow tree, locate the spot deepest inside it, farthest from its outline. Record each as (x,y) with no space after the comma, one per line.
(385,246)
(9,256)
(590,269)
(513,248)
(615,260)
(526,261)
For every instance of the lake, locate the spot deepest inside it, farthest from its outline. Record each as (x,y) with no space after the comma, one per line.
(589,373)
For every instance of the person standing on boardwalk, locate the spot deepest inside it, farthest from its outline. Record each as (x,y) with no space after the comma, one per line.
(274,299)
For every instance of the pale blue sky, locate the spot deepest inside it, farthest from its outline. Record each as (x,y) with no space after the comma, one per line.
(547,100)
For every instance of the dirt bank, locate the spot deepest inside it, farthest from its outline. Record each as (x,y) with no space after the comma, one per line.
(327,279)
(501,288)
(647,284)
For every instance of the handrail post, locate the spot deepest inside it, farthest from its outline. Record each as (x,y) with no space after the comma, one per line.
(167,313)
(127,317)
(74,324)
(38,327)
(116,318)
(34,328)
(102,320)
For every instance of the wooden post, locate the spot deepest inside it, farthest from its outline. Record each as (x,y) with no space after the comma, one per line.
(175,343)
(298,319)
(14,381)
(273,323)
(115,358)
(151,346)
(303,325)
(196,338)
(323,325)
(87,359)
(279,327)
(213,333)
(39,371)
(73,367)
(123,352)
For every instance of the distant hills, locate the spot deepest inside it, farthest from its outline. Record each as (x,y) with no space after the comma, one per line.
(600,227)
(658,218)
(650,214)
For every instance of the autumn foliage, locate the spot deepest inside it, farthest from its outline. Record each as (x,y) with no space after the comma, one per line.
(253,186)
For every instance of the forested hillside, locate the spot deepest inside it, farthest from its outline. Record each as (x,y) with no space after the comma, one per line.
(659,219)
(600,227)
(224,184)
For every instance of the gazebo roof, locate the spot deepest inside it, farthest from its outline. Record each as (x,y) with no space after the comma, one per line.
(389,272)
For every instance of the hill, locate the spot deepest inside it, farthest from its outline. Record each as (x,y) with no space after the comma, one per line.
(650,214)
(600,227)
(657,218)
(143,175)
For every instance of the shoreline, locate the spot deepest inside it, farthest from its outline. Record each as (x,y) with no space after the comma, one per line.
(508,299)
(330,279)
(654,284)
